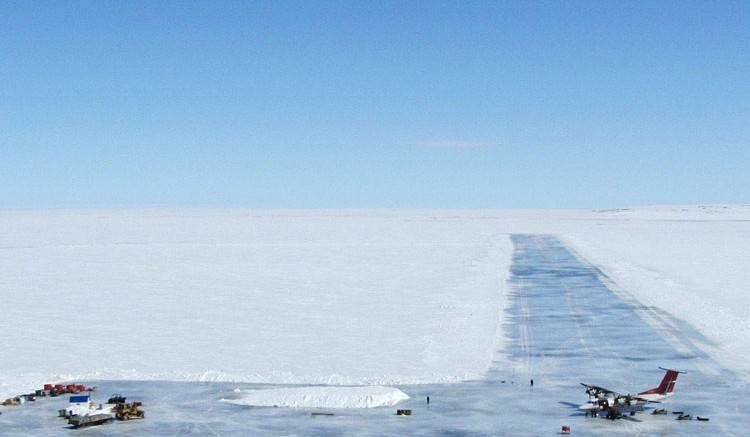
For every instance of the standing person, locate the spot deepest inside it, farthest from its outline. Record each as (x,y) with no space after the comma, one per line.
(428,400)
(532,382)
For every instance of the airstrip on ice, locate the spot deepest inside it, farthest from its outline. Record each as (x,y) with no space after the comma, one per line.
(413,299)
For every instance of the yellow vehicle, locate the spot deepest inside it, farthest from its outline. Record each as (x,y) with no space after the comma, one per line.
(128,411)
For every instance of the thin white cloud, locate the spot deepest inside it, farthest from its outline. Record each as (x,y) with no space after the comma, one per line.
(454,144)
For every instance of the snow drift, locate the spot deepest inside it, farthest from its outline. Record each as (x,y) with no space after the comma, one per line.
(321,397)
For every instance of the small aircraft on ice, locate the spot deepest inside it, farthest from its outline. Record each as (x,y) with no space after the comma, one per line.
(602,399)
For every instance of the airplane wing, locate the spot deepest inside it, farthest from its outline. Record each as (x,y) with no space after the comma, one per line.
(646,400)
(594,390)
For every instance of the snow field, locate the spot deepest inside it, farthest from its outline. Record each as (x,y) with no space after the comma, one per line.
(330,297)
(273,297)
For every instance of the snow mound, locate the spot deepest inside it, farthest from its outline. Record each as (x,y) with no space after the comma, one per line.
(321,397)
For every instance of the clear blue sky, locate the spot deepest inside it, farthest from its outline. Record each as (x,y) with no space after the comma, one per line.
(313,104)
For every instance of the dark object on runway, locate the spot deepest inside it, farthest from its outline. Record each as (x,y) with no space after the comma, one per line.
(702,419)
(321,414)
(90,420)
(659,411)
(684,417)
(678,412)
(403,412)
(116,399)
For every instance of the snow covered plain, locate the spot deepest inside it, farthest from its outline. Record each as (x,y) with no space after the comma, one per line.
(342,298)
(335,297)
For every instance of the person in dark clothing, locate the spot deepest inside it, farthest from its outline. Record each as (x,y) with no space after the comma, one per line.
(532,382)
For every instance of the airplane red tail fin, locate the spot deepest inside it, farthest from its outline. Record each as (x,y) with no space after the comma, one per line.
(667,383)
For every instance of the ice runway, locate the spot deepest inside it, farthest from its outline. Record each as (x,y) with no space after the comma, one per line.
(566,324)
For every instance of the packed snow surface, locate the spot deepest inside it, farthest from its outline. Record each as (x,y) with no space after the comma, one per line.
(338,298)
(321,397)
(331,297)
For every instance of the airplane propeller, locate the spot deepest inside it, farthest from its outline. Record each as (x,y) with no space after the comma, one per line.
(593,391)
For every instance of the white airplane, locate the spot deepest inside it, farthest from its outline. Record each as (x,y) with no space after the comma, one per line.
(602,399)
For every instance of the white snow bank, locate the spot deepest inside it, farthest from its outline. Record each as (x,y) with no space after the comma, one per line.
(321,397)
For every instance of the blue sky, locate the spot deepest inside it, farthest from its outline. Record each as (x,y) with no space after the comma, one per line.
(414,104)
